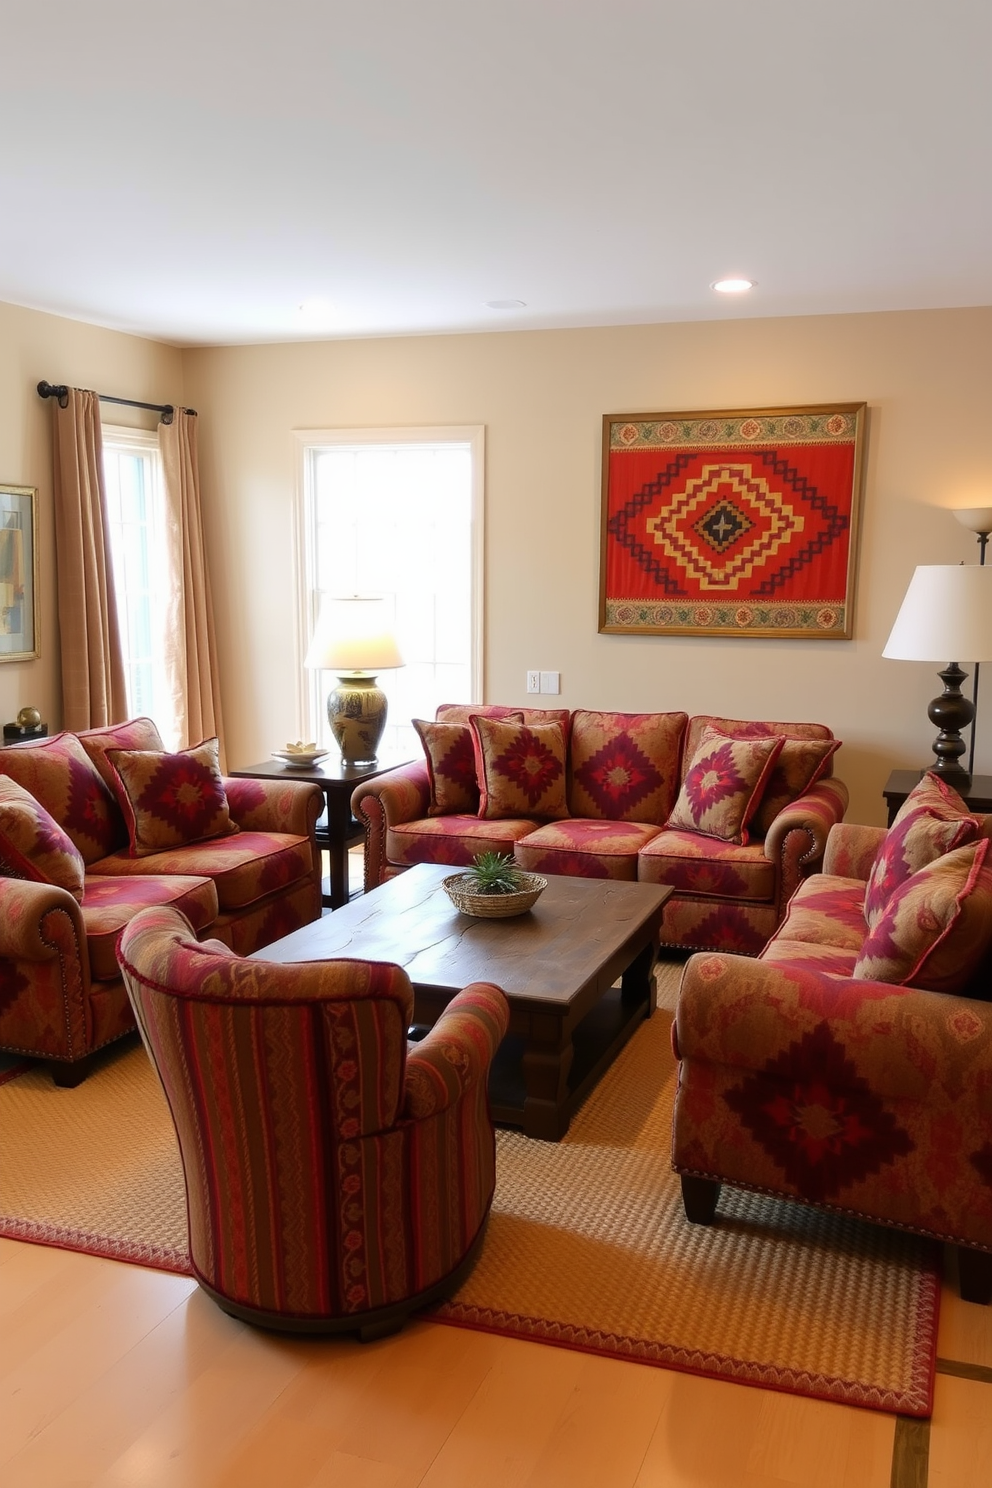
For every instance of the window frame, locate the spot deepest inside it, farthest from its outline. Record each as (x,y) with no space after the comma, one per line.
(307,442)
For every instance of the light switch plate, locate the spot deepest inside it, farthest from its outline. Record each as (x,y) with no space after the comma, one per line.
(551,682)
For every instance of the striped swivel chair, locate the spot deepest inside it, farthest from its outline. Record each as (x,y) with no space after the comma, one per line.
(336,1179)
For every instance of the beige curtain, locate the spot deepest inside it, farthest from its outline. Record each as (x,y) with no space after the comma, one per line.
(93,690)
(192,648)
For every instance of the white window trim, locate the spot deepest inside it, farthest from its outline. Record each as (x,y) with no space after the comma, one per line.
(307,440)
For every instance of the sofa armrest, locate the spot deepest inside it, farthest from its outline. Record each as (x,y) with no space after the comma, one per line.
(291,806)
(797,838)
(25,910)
(851,849)
(457,1052)
(45,972)
(400,795)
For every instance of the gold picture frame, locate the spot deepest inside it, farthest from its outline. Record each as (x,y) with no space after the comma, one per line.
(18,573)
(732,522)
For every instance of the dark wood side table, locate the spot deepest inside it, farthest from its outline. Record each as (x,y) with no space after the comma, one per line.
(340,830)
(901,782)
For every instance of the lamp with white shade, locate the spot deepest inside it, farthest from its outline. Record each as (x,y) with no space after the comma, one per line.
(354,637)
(947,611)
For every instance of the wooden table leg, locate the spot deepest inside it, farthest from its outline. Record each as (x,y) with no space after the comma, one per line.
(338,823)
(638,983)
(547,1059)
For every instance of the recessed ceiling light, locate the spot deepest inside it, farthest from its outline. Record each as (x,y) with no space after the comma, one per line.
(505,304)
(732,286)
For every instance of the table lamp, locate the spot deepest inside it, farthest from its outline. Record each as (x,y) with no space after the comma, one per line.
(947,611)
(355,639)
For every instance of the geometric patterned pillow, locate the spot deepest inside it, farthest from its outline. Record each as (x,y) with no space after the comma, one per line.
(801,764)
(909,845)
(135,733)
(723,785)
(451,765)
(62,778)
(624,766)
(520,769)
(32,844)
(937,927)
(171,800)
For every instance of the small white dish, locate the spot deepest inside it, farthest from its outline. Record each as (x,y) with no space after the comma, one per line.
(299,759)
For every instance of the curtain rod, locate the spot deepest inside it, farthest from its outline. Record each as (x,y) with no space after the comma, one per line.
(60,391)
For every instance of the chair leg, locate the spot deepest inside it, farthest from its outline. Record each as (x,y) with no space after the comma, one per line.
(68,1074)
(975,1275)
(699,1198)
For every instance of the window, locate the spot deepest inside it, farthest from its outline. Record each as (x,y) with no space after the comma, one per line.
(398,513)
(132,468)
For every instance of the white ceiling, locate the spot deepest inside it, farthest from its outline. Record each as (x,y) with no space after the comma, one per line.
(197,170)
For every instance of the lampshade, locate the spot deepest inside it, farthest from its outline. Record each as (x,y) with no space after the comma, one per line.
(976,518)
(354,635)
(946,615)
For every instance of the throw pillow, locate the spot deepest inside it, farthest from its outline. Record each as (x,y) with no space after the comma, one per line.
(624,766)
(937,926)
(520,769)
(136,733)
(170,800)
(916,838)
(33,845)
(59,774)
(722,785)
(450,755)
(801,764)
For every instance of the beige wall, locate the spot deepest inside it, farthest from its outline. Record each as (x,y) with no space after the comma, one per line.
(926,376)
(33,347)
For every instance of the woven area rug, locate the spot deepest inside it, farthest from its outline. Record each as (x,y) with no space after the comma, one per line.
(586,1248)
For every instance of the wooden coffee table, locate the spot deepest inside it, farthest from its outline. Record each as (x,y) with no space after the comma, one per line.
(557,965)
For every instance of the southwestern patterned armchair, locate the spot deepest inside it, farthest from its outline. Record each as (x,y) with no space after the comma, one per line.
(70,880)
(631,796)
(850,1066)
(336,1179)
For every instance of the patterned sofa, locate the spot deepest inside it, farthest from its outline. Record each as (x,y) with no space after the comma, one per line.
(850,1066)
(613,809)
(70,880)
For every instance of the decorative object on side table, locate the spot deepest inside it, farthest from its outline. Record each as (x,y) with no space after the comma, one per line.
(354,638)
(299,756)
(494,888)
(947,611)
(731,523)
(18,574)
(27,725)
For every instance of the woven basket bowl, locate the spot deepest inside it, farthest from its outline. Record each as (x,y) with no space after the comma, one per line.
(493,906)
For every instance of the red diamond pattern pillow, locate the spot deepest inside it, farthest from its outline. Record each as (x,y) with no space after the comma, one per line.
(170,800)
(59,774)
(723,784)
(801,764)
(520,768)
(32,844)
(937,925)
(624,766)
(450,754)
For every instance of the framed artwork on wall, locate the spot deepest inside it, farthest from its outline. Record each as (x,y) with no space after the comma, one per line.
(18,574)
(731,523)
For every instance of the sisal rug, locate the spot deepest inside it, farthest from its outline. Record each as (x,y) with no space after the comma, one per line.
(586,1248)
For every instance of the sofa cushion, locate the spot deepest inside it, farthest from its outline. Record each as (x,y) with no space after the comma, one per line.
(463,712)
(171,800)
(722,785)
(136,733)
(452,839)
(520,768)
(450,754)
(60,774)
(932,820)
(624,766)
(109,903)
(32,844)
(804,955)
(704,865)
(937,926)
(801,764)
(828,910)
(582,848)
(245,867)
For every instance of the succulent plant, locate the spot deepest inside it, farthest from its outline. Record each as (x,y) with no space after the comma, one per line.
(494,873)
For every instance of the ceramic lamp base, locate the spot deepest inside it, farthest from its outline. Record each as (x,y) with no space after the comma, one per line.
(356,712)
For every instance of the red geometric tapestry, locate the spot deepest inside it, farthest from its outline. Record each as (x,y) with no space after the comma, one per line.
(731,523)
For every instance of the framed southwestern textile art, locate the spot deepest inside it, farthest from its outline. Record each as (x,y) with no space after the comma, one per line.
(731,524)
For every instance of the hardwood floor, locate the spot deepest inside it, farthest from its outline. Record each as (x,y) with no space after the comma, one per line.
(114,1376)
